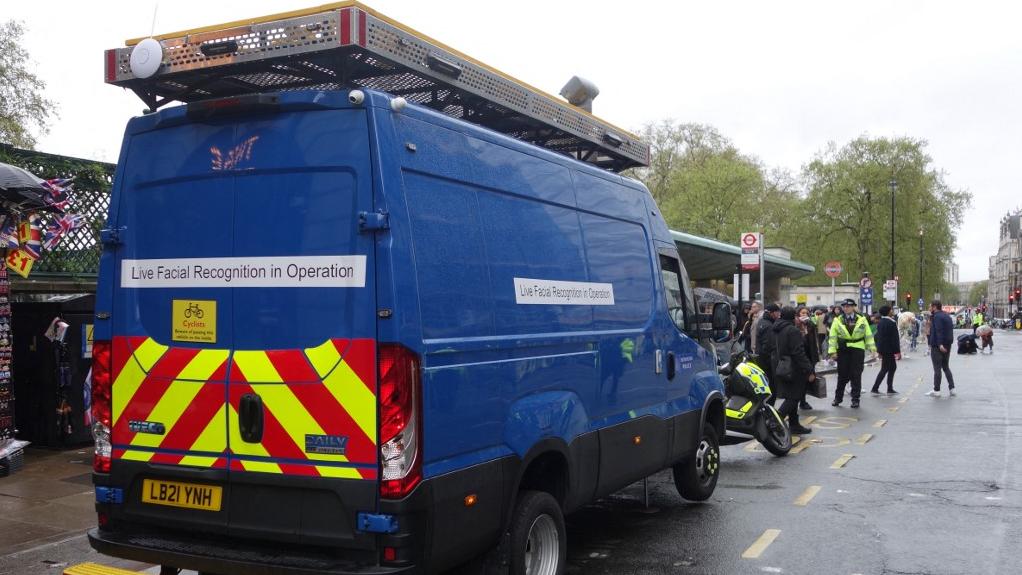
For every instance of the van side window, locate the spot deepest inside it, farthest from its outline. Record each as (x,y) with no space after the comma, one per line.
(670,270)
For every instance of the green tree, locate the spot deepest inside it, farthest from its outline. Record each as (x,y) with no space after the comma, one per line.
(704,185)
(23,110)
(978,292)
(849,211)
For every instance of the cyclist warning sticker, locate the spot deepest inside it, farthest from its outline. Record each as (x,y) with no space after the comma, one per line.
(193,320)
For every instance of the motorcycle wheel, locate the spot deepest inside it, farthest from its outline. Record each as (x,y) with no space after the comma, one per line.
(772,431)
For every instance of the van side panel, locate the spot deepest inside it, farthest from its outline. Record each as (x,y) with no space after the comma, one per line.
(483,385)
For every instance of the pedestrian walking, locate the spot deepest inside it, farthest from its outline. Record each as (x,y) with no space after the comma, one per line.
(850,337)
(942,335)
(888,342)
(792,366)
(806,326)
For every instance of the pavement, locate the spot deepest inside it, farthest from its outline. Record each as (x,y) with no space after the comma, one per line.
(45,509)
(907,484)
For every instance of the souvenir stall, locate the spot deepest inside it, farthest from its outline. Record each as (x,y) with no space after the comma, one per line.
(32,221)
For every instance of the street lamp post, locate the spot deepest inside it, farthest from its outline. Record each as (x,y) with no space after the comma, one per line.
(921,297)
(893,185)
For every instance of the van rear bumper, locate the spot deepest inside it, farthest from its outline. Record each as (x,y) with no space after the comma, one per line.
(228,558)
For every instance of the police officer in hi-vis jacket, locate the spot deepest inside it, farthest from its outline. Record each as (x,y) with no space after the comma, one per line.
(850,337)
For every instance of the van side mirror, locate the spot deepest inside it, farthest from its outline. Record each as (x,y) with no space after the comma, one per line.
(722,324)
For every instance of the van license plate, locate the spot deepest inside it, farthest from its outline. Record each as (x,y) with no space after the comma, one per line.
(177,494)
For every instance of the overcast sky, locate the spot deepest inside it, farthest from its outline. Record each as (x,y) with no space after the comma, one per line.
(781,78)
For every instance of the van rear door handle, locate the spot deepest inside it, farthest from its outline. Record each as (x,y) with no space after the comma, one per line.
(671,368)
(250,418)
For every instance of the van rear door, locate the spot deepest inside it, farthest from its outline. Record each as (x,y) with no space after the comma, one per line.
(245,315)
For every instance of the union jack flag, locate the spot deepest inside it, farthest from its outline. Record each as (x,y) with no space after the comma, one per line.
(30,235)
(9,232)
(57,229)
(59,192)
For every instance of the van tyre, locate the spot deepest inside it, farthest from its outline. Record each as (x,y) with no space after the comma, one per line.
(538,543)
(695,478)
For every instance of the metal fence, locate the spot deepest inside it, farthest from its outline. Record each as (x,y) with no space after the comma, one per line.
(77,255)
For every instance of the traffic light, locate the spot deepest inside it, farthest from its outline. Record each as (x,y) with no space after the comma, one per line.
(908,300)
(1018,293)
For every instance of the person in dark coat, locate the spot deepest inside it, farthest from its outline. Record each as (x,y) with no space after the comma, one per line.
(790,343)
(942,334)
(765,343)
(888,342)
(809,333)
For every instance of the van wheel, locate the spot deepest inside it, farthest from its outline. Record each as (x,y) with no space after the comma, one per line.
(696,477)
(538,540)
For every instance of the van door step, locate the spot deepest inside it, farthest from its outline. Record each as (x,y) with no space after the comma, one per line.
(97,569)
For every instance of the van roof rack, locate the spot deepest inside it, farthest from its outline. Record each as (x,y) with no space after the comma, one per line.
(348,45)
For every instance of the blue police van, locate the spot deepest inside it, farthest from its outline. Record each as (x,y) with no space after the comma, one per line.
(342,330)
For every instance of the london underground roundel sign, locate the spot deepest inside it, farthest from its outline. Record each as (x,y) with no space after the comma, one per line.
(832,269)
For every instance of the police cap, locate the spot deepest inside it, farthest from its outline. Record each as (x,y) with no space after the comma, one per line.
(850,302)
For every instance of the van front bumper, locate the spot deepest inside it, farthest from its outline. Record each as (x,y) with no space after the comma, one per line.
(224,557)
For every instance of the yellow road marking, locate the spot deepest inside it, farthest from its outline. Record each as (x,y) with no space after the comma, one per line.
(808,420)
(835,422)
(880,423)
(807,495)
(802,446)
(830,441)
(764,541)
(903,400)
(864,438)
(96,569)
(841,461)
(893,409)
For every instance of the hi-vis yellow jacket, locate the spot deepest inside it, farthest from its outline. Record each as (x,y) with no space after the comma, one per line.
(861,336)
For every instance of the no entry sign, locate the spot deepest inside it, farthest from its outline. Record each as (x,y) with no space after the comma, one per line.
(832,269)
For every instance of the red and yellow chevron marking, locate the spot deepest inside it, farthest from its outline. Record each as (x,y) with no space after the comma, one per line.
(326,390)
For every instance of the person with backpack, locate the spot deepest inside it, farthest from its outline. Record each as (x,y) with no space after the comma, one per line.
(792,368)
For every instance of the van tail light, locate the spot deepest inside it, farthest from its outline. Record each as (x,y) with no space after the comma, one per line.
(400,421)
(101,394)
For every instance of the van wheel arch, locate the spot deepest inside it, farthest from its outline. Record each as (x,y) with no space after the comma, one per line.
(713,414)
(545,467)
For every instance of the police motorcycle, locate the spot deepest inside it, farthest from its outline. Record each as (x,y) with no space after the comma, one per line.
(747,412)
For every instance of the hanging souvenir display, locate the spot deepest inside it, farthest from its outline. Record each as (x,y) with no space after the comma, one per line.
(34,220)
(6,390)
